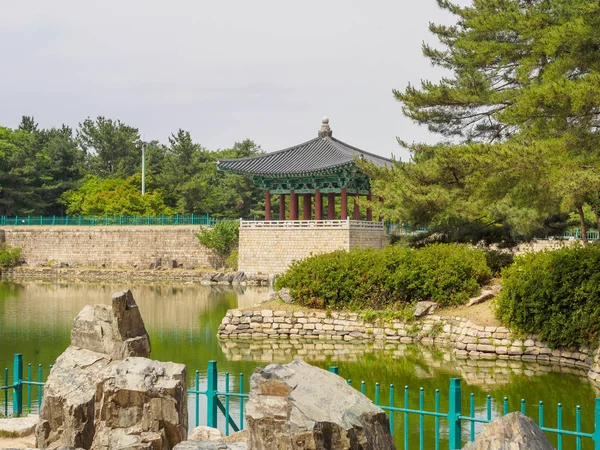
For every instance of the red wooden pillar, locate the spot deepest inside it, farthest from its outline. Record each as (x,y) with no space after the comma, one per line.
(293,205)
(369,209)
(267,205)
(318,205)
(381,201)
(331,206)
(344,204)
(356,207)
(306,207)
(281,207)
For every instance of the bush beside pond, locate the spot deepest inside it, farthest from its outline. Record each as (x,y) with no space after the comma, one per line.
(445,273)
(9,257)
(555,294)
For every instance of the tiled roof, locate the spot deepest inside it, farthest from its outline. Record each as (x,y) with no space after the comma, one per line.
(320,155)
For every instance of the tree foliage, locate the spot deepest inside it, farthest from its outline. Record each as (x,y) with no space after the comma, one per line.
(518,115)
(222,238)
(96,170)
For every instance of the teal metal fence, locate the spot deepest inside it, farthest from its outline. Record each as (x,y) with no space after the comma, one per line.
(451,427)
(21,387)
(177,219)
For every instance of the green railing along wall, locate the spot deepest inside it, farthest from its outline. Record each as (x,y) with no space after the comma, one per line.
(452,426)
(177,219)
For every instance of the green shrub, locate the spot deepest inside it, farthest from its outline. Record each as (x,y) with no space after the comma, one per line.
(232,260)
(369,278)
(554,294)
(498,260)
(9,257)
(222,238)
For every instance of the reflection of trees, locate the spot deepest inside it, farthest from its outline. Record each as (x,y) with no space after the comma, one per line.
(163,307)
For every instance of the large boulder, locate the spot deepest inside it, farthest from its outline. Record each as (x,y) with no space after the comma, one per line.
(117,330)
(67,413)
(301,407)
(141,402)
(103,390)
(514,431)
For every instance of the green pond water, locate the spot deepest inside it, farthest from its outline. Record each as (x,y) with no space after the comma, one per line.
(35,320)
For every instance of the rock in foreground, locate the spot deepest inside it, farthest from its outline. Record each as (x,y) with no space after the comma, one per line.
(103,392)
(514,431)
(301,407)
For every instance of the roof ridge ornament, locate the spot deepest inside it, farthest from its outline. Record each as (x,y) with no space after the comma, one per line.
(325,131)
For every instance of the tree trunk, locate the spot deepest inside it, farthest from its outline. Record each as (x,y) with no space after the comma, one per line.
(582,222)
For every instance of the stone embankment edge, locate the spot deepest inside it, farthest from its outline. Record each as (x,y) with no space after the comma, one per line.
(92,275)
(467,339)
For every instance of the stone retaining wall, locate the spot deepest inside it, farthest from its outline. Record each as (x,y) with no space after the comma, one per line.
(112,246)
(177,276)
(469,340)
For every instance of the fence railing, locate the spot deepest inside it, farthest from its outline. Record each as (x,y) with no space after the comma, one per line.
(345,224)
(458,424)
(18,385)
(177,219)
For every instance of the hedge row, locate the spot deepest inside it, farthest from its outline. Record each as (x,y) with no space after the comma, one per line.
(554,294)
(445,273)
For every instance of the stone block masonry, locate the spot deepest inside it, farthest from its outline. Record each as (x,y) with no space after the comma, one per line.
(468,339)
(111,246)
(271,249)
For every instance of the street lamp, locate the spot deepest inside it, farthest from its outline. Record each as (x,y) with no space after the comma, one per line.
(143,168)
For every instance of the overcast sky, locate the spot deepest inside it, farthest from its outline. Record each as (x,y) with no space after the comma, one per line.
(226,70)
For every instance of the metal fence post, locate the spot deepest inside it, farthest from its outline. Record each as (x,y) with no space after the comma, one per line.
(334,369)
(454,407)
(211,394)
(18,385)
(597,425)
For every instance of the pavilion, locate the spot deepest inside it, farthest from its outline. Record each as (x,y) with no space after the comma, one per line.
(322,170)
(323,167)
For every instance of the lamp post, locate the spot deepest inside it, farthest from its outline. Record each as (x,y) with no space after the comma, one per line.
(143,168)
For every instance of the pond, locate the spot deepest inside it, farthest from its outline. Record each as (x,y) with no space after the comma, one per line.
(35,320)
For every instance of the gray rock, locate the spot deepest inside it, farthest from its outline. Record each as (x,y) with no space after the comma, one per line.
(485,296)
(228,277)
(514,431)
(203,433)
(298,406)
(19,426)
(94,400)
(116,330)
(424,308)
(239,277)
(217,277)
(141,402)
(284,294)
(67,413)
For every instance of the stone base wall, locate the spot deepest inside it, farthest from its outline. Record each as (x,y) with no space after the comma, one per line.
(272,250)
(112,246)
(468,339)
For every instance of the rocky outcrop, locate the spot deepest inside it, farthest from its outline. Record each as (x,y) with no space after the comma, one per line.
(103,392)
(424,308)
(301,407)
(116,330)
(141,403)
(514,431)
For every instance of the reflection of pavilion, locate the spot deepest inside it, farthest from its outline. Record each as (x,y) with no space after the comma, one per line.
(325,173)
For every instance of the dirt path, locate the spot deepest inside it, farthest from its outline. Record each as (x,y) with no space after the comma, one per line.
(482,314)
